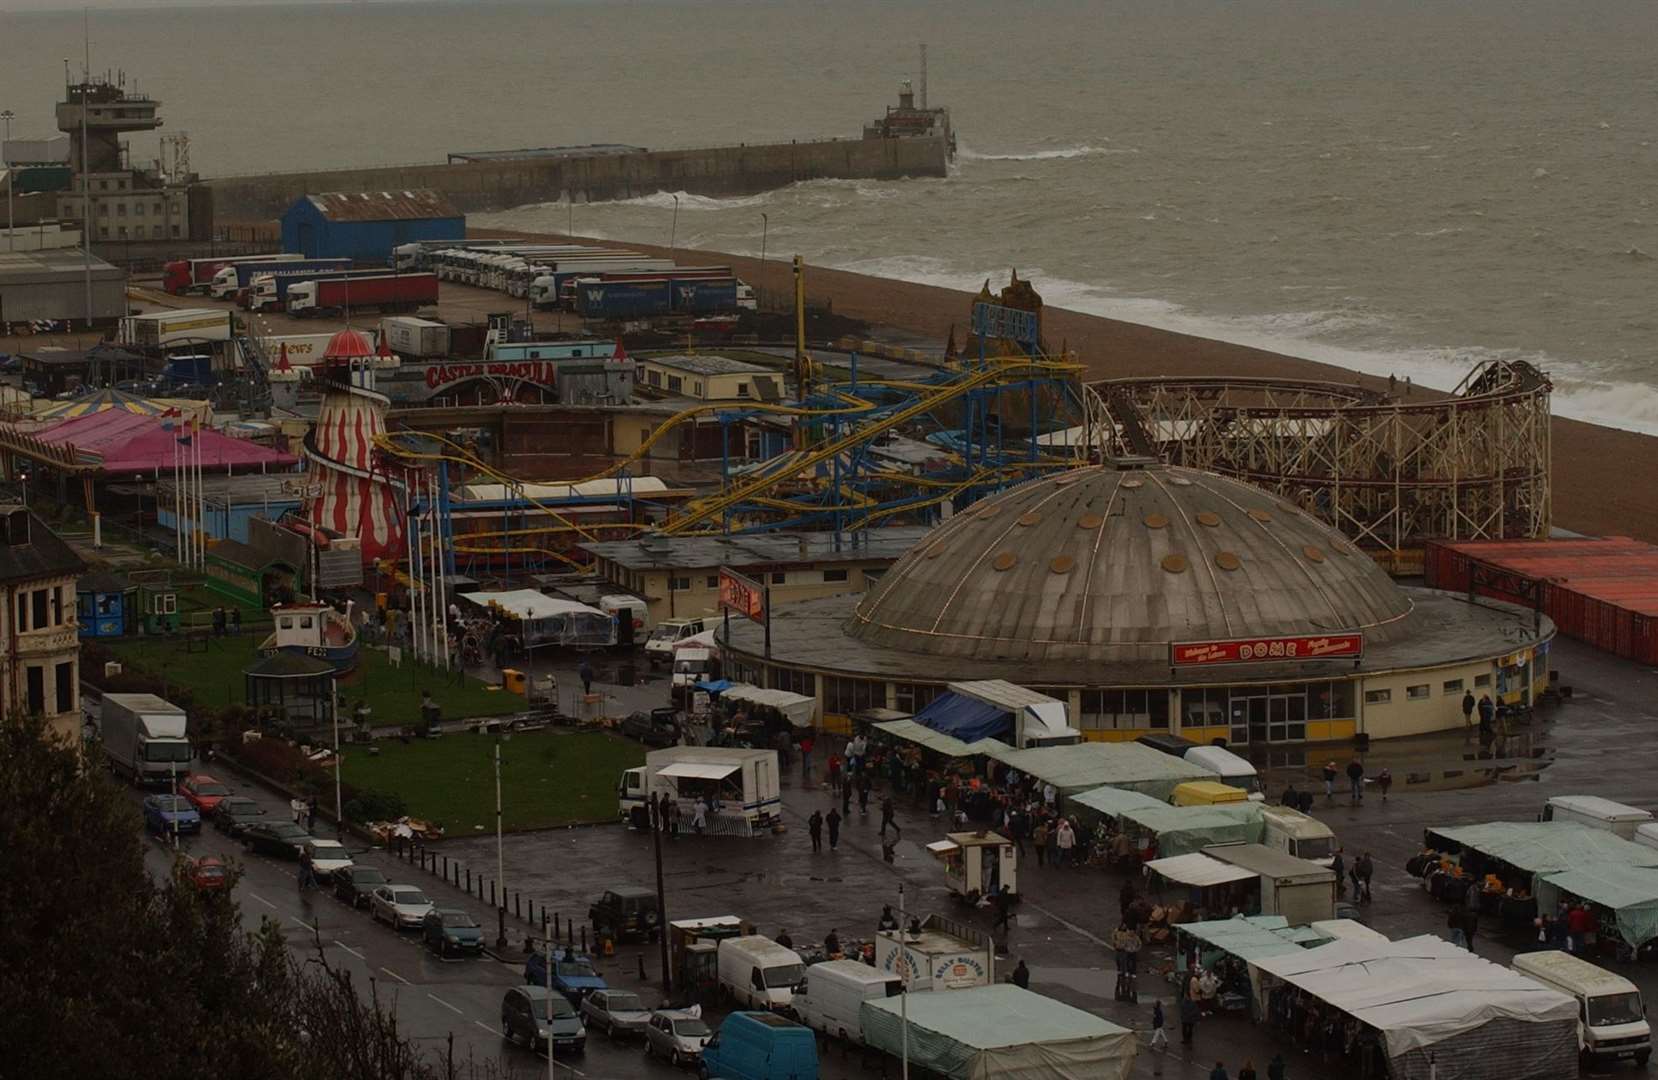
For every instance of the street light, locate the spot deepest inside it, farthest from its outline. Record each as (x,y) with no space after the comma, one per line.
(765,227)
(501,871)
(334,710)
(673,237)
(11,181)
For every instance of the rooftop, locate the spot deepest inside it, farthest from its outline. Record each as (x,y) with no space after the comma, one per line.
(531,153)
(708,365)
(761,549)
(25,267)
(30,550)
(413,205)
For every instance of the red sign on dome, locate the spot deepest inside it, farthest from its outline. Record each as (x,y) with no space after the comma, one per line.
(1267,650)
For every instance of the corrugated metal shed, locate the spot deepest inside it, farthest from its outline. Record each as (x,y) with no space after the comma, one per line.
(367,225)
(415,205)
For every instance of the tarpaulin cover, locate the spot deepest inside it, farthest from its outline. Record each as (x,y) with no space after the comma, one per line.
(1183,829)
(1480,1018)
(1198,869)
(800,710)
(965,718)
(937,741)
(1545,847)
(131,443)
(1630,891)
(1113,802)
(1086,766)
(1000,1032)
(1250,936)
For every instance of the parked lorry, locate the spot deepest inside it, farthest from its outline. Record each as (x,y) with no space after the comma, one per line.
(236,280)
(409,336)
(1229,768)
(196,275)
(387,292)
(268,290)
(607,300)
(831,998)
(1611,1018)
(1301,891)
(161,329)
(741,781)
(144,738)
(567,290)
(1596,813)
(941,955)
(758,973)
(547,287)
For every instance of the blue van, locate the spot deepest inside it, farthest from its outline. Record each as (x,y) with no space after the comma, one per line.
(760,1046)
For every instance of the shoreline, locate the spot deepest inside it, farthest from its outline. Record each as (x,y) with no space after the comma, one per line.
(1586,498)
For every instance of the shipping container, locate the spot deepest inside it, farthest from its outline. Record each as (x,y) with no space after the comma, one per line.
(408,336)
(386,292)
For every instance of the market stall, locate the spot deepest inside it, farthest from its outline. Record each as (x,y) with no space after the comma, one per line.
(1623,898)
(1180,830)
(798,709)
(1209,885)
(999,1032)
(548,620)
(1228,948)
(1073,770)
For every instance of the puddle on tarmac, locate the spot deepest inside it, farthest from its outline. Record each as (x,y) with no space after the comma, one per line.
(1444,761)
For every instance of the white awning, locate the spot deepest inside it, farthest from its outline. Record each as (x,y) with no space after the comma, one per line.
(700,770)
(800,710)
(1199,869)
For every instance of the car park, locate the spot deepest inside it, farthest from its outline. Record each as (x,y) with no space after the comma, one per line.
(283,839)
(398,906)
(234,814)
(626,911)
(619,1012)
(165,814)
(527,1017)
(447,930)
(573,974)
(204,792)
(354,883)
(676,1035)
(327,856)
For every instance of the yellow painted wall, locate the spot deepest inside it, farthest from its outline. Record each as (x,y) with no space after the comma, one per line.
(1439,711)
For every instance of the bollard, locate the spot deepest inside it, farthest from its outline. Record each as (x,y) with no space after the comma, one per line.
(469,880)
(491,892)
(544,920)
(446,868)
(584,939)
(555,920)
(457,875)
(515,912)
(641,958)
(569,932)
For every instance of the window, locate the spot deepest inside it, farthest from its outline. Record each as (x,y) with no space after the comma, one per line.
(778,577)
(696,387)
(22,612)
(57,606)
(795,682)
(66,686)
(121,209)
(1104,710)
(713,581)
(847,696)
(913,697)
(157,209)
(1482,680)
(742,389)
(1452,686)
(38,604)
(123,232)
(37,690)
(1418,693)
(103,185)
(175,232)
(653,377)
(675,384)
(103,209)
(155,231)
(1378,697)
(680,584)
(834,575)
(103,232)
(138,210)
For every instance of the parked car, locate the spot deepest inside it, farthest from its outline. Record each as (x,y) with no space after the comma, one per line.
(573,974)
(398,906)
(676,1035)
(452,930)
(283,839)
(353,884)
(327,856)
(659,727)
(204,792)
(164,814)
(625,911)
(208,874)
(526,1016)
(618,1012)
(235,814)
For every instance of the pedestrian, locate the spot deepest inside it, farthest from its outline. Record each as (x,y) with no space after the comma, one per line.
(1049,793)
(1355,777)
(310,812)
(1292,797)
(1065,840)
(784,939)
(1016,826)
(1248,1070)
(586,673)
(1384,780)
(1339,865)
(806,759)
(846,797)
(1129,943)
(834,823)
(1159,1037)
(699,819)
(1329,781)
(1471,897)
(307,872)
(670,813)
(1218,1072)
(1003,900)
(835,773)
(1021,976)
(1467,709)
(887,816)
(831,944)
(1470,927)
(863,791)
(1190,1009)
(1487,712)
(1276,1067)
(1577,928)
(297,806)
(888,921)
(1363,869)
(1039,840)
(814,826)
(1453,922)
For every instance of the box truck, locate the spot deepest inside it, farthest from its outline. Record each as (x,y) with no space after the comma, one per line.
(740,781)
(386,292)
(196,275)
(144,738)
(162,329)
(409,336)
(1596,813)
(1301,891)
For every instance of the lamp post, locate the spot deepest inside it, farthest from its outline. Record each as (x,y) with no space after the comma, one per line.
(765,227)
(673,236)
(334,711)
(501,870)
(11,182)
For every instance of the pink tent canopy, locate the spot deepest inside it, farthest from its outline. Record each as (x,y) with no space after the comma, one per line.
(130,443)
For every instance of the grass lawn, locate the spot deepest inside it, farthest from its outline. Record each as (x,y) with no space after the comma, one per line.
(215,676)
(547,778)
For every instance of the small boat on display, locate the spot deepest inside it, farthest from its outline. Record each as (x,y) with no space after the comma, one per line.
(317,630)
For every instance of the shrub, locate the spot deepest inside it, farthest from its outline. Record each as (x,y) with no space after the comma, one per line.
(369,805)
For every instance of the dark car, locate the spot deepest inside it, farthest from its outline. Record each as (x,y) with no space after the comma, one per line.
(526,1016)
(168,814)
(573,974)
(352,884)
(626,911)
(447,930)
(659,727)
(283,839)
(234,814)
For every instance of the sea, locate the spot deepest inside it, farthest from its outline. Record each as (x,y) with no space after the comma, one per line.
(1393,186)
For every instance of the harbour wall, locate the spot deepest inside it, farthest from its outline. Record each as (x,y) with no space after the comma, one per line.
(494,185)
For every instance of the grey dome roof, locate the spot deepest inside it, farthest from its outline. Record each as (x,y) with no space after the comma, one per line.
(1114,562)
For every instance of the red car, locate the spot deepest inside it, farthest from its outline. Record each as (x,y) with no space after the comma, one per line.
(203,791)
(208,873)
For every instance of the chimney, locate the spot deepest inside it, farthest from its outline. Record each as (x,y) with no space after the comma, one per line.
(17,527)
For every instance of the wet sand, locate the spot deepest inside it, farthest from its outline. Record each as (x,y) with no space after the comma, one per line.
(1604,479)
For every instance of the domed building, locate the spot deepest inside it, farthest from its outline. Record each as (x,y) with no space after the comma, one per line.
(1152,598)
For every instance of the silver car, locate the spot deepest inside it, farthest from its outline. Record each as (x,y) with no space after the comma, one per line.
(676,1035)
(616,1012)
(398,906)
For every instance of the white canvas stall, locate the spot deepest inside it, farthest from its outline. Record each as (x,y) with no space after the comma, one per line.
(549,620)
(800,710)
(1198,869)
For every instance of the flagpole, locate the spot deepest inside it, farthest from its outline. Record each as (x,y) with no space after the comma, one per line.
(178,502)
(417,575)
(200,508)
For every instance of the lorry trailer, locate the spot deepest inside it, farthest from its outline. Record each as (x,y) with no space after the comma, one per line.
(409,336)
(386,292)
(183,276)
(230,281)
(269,291)
(162,329)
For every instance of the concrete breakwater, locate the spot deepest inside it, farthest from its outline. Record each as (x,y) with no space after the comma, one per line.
(494,185)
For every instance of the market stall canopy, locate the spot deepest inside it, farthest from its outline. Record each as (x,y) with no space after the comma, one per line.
(1337,929)
(1183,829)
(128,443)
(1199,870)
(965,718)
(999,1031)
(1249,937)
(1085,766)
(549,619)
(928,739)
(1425,992)
(800,710)
(1546,847)
(1113,802)
(1631,892)
(700,770)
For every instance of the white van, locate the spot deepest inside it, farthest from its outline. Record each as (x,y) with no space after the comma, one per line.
(1647,834)
(758,973)
(1596,813)
(831,999)
(1231,769)
(1298,834)
(1611,1018)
